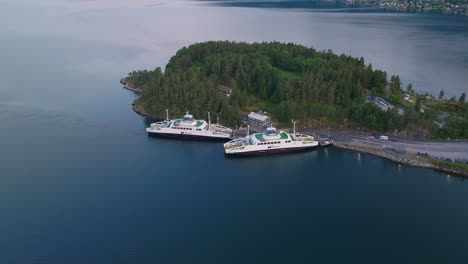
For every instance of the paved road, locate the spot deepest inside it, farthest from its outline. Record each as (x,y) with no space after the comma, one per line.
(437,149)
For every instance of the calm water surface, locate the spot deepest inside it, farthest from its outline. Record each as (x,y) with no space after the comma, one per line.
(80,182)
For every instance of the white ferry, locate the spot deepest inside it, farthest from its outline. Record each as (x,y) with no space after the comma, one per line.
(188,127)
(269,142)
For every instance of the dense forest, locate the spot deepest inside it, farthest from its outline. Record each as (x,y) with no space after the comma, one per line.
(290,81)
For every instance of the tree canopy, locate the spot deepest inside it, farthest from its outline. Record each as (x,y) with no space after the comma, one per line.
(288,80)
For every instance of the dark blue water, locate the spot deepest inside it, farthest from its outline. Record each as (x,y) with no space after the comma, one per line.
(80,181)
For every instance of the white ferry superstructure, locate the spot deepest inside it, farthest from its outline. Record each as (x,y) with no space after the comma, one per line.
(269,142)
(188,127)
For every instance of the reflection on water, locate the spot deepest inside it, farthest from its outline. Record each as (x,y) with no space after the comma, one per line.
(81,182)
(325,151)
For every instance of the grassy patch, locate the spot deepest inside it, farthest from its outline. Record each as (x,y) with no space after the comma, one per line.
(291,75)
(451,165)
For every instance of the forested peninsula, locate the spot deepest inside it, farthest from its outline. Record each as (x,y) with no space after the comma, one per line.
(290,81)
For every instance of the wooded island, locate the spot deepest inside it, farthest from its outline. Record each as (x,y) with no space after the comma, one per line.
(292,82)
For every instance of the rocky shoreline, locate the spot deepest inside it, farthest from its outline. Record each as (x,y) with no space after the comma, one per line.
(137,109)
(142,112)
(128,86)
(407,160)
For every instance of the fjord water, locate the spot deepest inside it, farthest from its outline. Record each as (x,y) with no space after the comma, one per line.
(80,181)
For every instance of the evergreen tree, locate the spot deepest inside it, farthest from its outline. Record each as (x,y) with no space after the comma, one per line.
(462,98)
(409,88)
(441,94)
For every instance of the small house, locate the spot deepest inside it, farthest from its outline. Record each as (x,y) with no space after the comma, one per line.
(227,91)
(259,119)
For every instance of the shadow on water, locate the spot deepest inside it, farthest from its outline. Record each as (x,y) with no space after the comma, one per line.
(275,155)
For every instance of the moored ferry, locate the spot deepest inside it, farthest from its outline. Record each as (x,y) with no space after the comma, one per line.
(269,142)
(188,127)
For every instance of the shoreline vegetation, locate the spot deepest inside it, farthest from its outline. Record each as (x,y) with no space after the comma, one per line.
(317,88)
(441,7)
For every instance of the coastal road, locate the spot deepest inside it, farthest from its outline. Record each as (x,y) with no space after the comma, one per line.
(436,149)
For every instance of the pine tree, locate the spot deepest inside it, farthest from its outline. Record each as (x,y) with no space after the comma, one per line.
(462,98)
(441,94)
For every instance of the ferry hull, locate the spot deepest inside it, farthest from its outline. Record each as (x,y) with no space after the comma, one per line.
(187,136)
(270,151)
